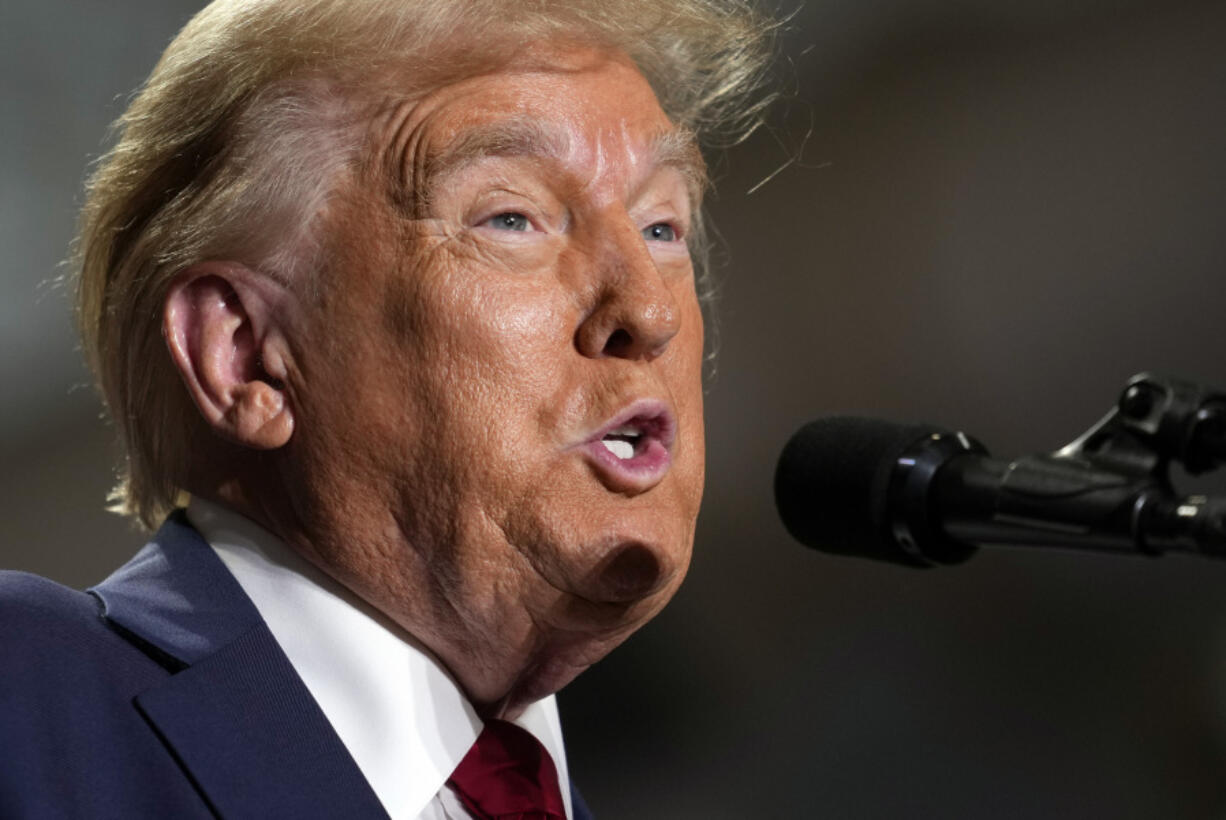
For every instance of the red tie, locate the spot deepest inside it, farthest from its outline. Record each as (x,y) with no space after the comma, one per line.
(508,775)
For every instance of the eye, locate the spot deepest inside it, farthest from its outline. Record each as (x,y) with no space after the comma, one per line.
(660,232)
(509,221)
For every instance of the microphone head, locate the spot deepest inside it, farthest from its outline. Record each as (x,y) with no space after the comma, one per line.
(832,485)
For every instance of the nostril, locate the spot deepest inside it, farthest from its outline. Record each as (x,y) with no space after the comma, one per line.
(619,343)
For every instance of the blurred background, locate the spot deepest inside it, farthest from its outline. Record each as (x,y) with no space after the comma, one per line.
(992,215)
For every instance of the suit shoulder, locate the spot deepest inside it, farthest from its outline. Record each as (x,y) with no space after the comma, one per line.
(27,600)
(55,628)
(55,644)
(73,743)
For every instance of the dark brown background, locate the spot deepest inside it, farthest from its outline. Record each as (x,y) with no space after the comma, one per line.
(1000,211)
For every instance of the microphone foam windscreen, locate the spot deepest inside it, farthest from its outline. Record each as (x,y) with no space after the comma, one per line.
(832,482)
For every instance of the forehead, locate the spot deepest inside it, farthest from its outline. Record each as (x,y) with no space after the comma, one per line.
(599,89)
(579,106)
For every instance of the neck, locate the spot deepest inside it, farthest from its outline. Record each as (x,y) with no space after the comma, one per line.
(389,590)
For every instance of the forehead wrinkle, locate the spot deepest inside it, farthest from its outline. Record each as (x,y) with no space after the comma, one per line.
(422,168)
(514,137)
(396,130)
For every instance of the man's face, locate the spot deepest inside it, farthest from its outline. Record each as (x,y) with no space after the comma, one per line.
(499,436)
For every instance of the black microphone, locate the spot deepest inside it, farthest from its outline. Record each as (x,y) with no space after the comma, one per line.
(921,496)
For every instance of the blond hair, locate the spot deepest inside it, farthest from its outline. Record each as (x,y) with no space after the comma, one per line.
(234,144)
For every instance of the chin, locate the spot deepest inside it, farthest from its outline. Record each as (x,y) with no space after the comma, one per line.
(611,552)
(610,588)
(573,632)
(599,566)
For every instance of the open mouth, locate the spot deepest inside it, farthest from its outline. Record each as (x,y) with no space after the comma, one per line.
(633,451)
(628,440)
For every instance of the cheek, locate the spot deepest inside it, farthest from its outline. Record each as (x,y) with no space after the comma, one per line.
(483,359)
(686,378)
(468,325)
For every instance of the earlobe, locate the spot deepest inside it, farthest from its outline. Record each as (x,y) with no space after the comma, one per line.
(219,337)
(259,417)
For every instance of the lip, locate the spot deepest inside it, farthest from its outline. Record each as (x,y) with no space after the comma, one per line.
(652,454)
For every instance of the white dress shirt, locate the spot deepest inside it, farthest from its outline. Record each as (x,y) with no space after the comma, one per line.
(403,719)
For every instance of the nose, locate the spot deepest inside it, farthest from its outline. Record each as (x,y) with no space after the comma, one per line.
(634,313)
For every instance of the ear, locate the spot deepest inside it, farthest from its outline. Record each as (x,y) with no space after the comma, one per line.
(222,332)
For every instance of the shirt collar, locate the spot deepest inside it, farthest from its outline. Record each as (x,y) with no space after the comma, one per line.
(398,711)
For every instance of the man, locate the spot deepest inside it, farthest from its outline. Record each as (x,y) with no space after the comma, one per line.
(403,295)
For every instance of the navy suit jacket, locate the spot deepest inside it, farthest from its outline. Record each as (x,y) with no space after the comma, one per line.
(160,693)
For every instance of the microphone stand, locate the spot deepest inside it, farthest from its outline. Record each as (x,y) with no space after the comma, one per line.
(1158,420)
(1109,489)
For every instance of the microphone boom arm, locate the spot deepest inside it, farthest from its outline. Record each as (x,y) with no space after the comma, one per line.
(1109,489)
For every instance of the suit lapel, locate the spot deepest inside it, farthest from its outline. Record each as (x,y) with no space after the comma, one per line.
(234,713)
(252,737)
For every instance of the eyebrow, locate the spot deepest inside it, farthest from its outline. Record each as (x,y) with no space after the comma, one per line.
(678,149)
(675,148)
